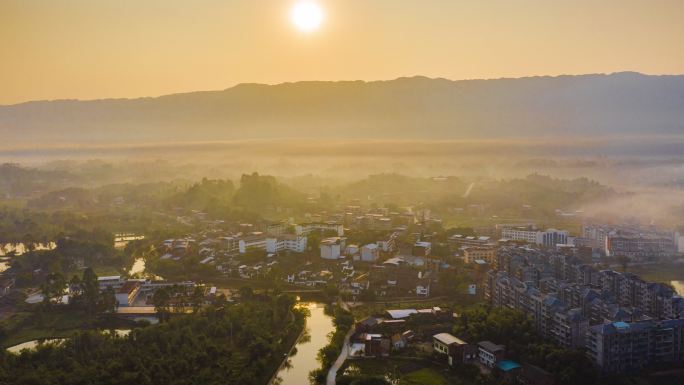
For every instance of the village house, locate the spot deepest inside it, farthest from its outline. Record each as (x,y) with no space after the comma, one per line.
(489,353)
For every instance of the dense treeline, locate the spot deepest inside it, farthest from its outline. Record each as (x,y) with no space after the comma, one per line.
(240,344)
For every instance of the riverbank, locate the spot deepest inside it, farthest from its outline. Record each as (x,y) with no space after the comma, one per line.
(302,358)
(329,354)
(288,347)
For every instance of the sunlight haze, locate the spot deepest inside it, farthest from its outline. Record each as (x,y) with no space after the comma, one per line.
(96,49)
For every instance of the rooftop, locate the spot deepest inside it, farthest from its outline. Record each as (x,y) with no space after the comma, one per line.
(448,339)
(490,346)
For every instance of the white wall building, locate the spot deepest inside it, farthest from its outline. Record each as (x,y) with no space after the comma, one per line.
(252,242)
(370,252)
(285,242)
(331,248)
(306,228)
(548,238)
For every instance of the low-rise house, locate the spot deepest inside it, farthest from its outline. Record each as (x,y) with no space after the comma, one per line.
(490,353)
(331,248)
(367,324)
(127,293)
(457,350)
(370,252)
(401,313)
(421,249)
(351,250)
(423,287)
(376,345)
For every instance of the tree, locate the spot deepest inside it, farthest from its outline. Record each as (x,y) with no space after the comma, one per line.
(197,299)
(108,303)
(53,287)
(161,301)
(91,292)
(624,262)
(246,293)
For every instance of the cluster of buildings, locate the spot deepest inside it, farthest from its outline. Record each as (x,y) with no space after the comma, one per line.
(139,292)
(337,248)
(634,242)
(395,277)
(390,333)
(577,306)
(356,217)
(382,335)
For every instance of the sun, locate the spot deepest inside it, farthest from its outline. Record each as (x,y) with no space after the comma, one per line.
(307,16)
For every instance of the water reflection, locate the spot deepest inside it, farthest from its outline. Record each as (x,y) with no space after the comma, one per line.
(30,345)
(318,326)
(20,248)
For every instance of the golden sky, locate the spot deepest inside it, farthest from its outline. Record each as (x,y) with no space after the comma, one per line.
(54,49)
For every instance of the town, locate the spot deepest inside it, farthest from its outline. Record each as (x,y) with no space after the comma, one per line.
(565,284)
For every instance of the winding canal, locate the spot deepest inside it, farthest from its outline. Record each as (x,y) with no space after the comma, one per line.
(303,359)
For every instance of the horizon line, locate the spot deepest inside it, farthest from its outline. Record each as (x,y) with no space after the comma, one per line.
(416,76)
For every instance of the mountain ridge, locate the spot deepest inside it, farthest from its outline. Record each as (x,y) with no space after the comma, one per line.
(409,107)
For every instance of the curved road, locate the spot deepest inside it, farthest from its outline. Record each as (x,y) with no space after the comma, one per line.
(332,373)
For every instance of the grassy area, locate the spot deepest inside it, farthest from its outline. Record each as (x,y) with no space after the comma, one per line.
(103,271)
(26,326)
(425,376)
(405,371)
(663,272)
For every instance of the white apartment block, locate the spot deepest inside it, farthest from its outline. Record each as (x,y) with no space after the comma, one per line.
(548,238)
(306,228)
(286,242)
(252,242)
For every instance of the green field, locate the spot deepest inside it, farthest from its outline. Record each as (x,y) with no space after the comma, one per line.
(405,371)
(665,272)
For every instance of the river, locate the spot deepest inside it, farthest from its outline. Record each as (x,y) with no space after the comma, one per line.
(19,249)
(318,326)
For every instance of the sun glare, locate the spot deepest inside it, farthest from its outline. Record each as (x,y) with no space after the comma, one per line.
(307,16)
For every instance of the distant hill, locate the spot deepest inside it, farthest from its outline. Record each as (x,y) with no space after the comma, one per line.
(568,107)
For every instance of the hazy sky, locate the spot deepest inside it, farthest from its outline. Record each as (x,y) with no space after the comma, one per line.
(127,48)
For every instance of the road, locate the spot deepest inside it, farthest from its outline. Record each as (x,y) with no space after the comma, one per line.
(332,373)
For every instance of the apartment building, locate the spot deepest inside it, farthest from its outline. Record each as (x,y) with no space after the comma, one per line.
(487,254)
(306,228)
(254,241)
(549,238)
(621,347)
(286,242)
